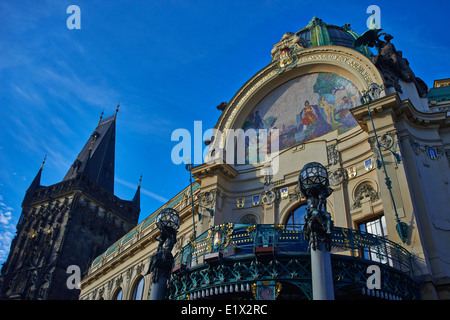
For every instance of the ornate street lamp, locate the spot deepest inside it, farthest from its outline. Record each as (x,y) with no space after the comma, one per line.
(368,96)
(313,181)
(314,185)
(168,223)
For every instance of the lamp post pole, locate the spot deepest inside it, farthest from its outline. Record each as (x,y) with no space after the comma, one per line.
(314,184)
(321,271)
(160,277)
(367,97)
(168,222)
(189,168)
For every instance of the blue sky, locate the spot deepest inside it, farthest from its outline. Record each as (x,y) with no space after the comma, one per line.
(169,63)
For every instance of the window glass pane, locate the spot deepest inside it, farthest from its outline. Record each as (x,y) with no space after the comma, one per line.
(119,295)
(362,227)
(366,253)
(298,216)
(369,226)
(383,225)
(377,226)
(138,289)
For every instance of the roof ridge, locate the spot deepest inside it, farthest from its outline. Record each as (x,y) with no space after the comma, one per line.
(107,119)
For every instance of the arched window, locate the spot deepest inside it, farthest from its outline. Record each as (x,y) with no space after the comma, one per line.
(138,290)
(248,219)
(296,218)
(118,295)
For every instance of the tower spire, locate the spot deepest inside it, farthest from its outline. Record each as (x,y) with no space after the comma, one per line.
(36,183)
(101,117)
(137,196)
(117,109)
(96,159)
(43,162)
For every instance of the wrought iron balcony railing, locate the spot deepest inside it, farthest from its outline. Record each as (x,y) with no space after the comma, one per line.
(234,240)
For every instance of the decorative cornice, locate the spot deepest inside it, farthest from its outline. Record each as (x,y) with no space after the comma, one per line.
(205,170)
(400,109)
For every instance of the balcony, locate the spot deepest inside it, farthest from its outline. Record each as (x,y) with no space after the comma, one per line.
(231,261)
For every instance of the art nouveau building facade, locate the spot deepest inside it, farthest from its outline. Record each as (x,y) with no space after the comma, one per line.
(248,227)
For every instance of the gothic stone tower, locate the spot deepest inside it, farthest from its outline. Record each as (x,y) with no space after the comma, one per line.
(68,223)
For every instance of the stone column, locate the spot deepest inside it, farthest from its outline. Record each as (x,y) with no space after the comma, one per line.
(322,276)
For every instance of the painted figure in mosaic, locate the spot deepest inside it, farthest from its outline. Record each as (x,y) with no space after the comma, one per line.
(312,121)
(328,108)
(343,115)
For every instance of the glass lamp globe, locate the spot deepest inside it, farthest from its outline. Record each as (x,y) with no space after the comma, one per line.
(168,218)
(313,179)
(189,166)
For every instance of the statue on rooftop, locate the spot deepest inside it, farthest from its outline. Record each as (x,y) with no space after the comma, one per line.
(390,61)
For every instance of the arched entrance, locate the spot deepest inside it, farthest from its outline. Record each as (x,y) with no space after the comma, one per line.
(296,218)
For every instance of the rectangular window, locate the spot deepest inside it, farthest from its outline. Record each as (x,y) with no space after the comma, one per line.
(378,228)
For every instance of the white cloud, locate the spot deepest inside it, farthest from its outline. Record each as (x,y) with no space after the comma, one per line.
(5,217)
(5,213)
(7,228)
(144,191)
(5,242)
(154,195)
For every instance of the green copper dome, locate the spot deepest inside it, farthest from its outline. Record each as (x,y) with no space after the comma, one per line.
(319,33)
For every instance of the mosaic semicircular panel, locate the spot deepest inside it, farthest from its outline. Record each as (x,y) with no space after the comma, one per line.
(306,107)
